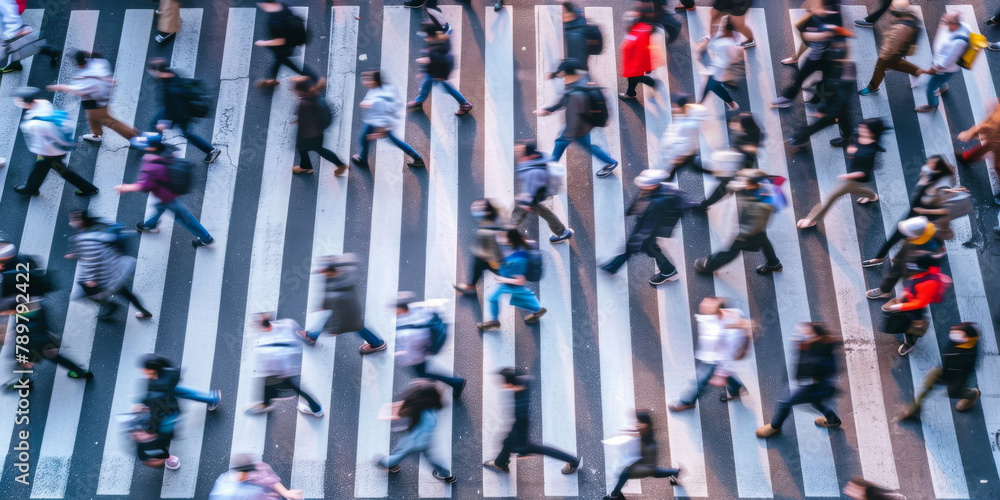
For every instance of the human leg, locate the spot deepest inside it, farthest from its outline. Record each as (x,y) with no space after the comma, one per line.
(703,373)
(556,453)
(38,173)
(370,337)
(523,298)
(881,65)
(933,85)
(740,25)
(69,364)
(884,6)
(195,139)
(72,177)
(662,262)
(555,225)
(807,69)
(451,90)
(420,370)
(718,89)
(304,162)
(313,405)
(622,479)
(595,150)
(154,219)
(404,146)
(616,263)
(195,395)
(363,141)
(559,147)
(128,295)
(189,221)
(425,90)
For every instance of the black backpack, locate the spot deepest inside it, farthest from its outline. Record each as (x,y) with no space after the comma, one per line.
(324,115)
(196,98)
(179,172)
(295,26)
(595,40)
(597,107)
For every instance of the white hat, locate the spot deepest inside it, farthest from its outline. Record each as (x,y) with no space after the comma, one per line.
(651,177)
(913,227)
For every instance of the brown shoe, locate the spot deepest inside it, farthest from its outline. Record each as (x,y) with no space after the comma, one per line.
(535,316)
(464,109)
(823,422)
(299,170)
(488,325)
(340,170)
(766,431)
(269,82)
(966,404)
(366,348)
(680,407)
(465,289)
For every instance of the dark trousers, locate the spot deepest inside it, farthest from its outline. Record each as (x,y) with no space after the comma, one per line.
(273,384)
(479,266)
(703,375)
(884,6)
(627,474)
(956,386)
(420,369)
(719,192)
(652,250)
(812,394)
(45,163)
(808,68)
(514,444)
(718,89)
(634,81)
(281,58)
(315,144)
(691,161)
(193,138)
(113,307)
(843,121)
(758,242)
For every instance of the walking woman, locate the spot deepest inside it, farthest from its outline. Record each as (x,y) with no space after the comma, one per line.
(861,162)
(486,253)
(381,112)
(313,117)
(723,53)
(646,466)
(512,279)
(103,267)
(637,52)
(419,406)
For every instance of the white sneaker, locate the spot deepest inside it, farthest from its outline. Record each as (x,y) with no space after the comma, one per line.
(3,162)
(173,463)
(304,408)
(92,138)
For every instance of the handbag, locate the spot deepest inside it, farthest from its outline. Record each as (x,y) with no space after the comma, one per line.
(897,323)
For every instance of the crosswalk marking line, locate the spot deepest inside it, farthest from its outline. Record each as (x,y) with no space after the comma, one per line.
(266,257)
(383,268)
(59,438)
(969,285)
(140,336)
(9,113)
(312,435)
(613,321)
(687,449)
(753,470)
(442,245)
(555,347)
(498,185)
(209,265)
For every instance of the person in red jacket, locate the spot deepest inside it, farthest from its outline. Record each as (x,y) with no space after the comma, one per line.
(636,56)
(924,287)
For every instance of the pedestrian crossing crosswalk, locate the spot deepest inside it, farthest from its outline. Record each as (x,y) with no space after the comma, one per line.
(608,344)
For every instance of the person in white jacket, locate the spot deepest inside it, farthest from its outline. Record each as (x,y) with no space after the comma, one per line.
(93,82)
(46,137)
(950,43)
(724,53)
(680,146)
(382,111)
(278,350)
(722,339)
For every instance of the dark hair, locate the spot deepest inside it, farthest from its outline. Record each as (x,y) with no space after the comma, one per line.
(720,300)
(643,417)
(530,147)
(81,57)
(154,362)
(375,75)
(754,135)
(569,7)
(728,27)
(818,328)
(491,210)
(940,166)
(264,320)
(158,64)
(513,376)
(422,394)
(970,329)
(515,239)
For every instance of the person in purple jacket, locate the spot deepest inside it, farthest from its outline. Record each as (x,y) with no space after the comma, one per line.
(154,177)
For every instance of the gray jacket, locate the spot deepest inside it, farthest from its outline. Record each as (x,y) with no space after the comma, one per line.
(100,260)
(342,299)
(577,105)
(534,178)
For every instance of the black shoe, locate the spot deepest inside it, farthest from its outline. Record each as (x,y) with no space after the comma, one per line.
(139,226)
(489,464)
(448,479)
(12,67)
(701,265)
(23,190)
(413,4)
(607,169)
(417,163)
(356,159)
(992,21)
(163,37)
(108,313)
(796,141)
(456,393)
(79,192)
(86,375)
(570,467)
(766,269)
(839,142)
(660,278)
(498,6)
(212,156)
(197,242)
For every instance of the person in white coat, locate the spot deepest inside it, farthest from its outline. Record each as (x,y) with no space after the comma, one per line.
(680,144)
(950,43)
(279,360)
(92,83)
(382,111)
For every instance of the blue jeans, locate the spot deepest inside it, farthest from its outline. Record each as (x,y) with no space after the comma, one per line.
(420,369)
(704,374)
(183,216)
(195,395)
(562,142)
(718,88)
(813,394)
(935,83)
(326,314)
(193,138)
(367,129)
(425,90)
(519,297)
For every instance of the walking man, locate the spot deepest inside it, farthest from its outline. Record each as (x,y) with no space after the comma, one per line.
(161,374)
(958,361)
(92,83)
(413,339)
(176,94)
(279,361)
(950,42)
(287,32)
(512,279)
(341,311)
(438,63)
(533,176)
(897,43)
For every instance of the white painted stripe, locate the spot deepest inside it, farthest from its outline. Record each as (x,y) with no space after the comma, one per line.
(687,450)
(59,438)
(442,244)
(498,185)
(556,338)
(753,471)
(11,114)
(266,257)
(613,321)
(311,434)
(383,268)
(206,285)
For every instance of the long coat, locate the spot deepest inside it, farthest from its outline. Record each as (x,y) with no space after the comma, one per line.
(342,299)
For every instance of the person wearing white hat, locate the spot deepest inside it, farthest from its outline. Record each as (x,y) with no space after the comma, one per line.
(921,240)
(658,208)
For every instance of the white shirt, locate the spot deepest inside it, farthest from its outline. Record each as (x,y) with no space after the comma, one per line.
(719,337)
(42,137)
(948,48)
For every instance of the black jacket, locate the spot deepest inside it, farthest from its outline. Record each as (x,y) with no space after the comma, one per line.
(285,24)
(575,42)
(518,435)
(658,213)
(959,361)
(174,99)
(816,361)
(441,61)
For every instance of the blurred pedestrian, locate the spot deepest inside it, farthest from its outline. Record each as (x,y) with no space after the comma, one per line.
(575,36)
(859,489)
(835,95)
(278,350)
(921,240)
(724,165)
(382,111)
(638,55)
(169,21)
(420,334)
(513,278)
(988,133)
(725,57)
(342,311)
(419,407)
(950,43)
(313,116)
(898,42)
(680,144)
(486,255)
(822,31)
(176,96)
(287,32)
(438,63)
(535,173)
(736,10)
(908,312)
(248,478)
(648,463)
(92,83)
(162,375)
(958,362)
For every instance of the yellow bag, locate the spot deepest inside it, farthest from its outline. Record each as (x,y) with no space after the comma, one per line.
(977,43)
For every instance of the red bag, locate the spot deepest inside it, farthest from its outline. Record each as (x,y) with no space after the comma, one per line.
(21,5)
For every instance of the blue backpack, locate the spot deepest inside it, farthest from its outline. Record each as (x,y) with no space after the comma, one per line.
(60,119)
(438,331)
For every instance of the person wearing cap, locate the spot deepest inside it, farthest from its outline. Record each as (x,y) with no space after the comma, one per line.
(485,251)
(512,281)
(680,143)
(287,32)
(174,95)
(648,463)
(249,478)
(342,311)
(164,377)
(45,137)
(154,177)
(518,439)
(958,361)
(420,405)
(438,63)
(921,239)
(533,178)
(278,350)
(658,208)
(724,53)
(950,42)
(821,32)
(92,83)
(413,337)
(103,268)
(754,212)
(860,164)
(898,42)
(814,372)
(576,100)
(381,111)
(925,286)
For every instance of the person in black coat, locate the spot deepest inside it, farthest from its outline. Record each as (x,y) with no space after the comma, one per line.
(658,207)
(438,63)
(574,38)
(646,465)
(313,116)
(835,94)
(174,97)
(287,32)
(958,361)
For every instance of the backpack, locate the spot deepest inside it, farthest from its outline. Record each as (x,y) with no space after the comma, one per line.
(555,178)
(61,120)
(179,173)
(296,27)
(975,44)
(597,107)
(437,331)
(196,98)
(533,271)
(595,40)
(943,279)
(323,113)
